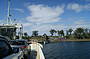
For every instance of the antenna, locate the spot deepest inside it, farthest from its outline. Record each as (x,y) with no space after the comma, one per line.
(8,14)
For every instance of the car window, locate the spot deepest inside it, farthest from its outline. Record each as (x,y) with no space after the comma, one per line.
(4,49)
(17,42)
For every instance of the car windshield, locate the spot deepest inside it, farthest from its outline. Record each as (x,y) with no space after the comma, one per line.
(17,42)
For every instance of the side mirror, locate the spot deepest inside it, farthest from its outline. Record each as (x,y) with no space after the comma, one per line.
(15,50)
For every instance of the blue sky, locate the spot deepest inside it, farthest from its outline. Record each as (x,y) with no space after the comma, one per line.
(43,15)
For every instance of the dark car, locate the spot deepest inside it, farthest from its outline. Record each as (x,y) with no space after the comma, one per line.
(5,48)
(6,51)
(22,44)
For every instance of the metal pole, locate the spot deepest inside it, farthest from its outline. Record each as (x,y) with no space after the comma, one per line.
(21,32)
(8,14)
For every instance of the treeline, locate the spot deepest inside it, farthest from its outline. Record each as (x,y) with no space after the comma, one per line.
(78,33)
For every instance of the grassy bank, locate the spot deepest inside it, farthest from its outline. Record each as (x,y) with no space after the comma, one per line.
(76,40)
(72,40)
(41,39)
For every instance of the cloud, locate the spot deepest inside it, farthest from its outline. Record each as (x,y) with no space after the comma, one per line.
(43,18)
(45,28)
(27,24)
(19,10)
(77,7)
(44,14)
(82,23)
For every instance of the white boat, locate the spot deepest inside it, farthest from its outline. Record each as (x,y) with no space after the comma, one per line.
(10,28)
(36,51)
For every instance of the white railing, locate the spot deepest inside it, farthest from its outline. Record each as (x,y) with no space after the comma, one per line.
(38,48)
(18,55)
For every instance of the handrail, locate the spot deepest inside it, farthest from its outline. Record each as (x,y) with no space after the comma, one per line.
(38,48)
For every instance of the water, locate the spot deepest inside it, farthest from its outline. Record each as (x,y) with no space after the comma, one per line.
(67,50)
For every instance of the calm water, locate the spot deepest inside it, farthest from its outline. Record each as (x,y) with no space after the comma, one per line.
(67,50)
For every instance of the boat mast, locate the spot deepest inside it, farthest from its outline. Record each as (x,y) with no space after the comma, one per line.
(9,21)
(8,14)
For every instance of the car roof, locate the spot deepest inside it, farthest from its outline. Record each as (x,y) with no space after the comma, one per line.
(19,40)
(4,38)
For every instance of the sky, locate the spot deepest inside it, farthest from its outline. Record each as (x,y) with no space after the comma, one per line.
(43,15)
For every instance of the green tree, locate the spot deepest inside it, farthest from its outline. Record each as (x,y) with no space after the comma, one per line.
(52,31)
(67,33)
(86,33)
(25,34)
(79,30)
(34,33)
(62,33)
(70,31)
(79,33)
(59,33)
(86,30)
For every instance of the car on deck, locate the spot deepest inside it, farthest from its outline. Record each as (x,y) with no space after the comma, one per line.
(6,51)
(21,44)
